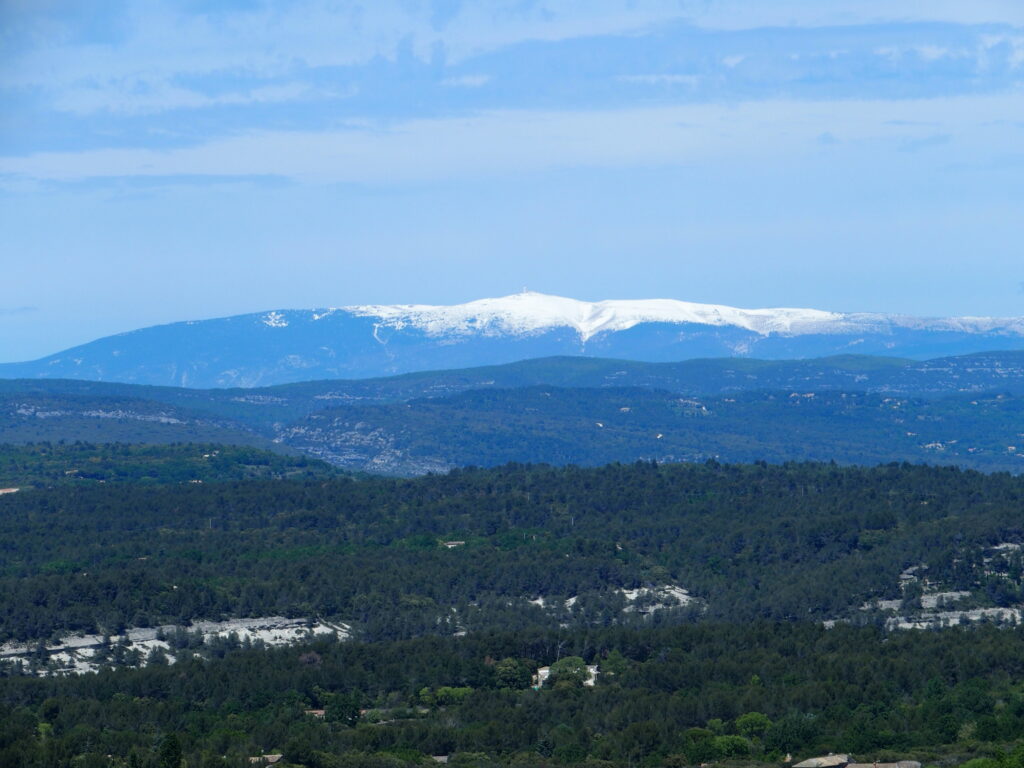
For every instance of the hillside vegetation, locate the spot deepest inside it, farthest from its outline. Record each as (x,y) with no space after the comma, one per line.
(598,426)
(964,411)
(46,464)
(528,546)
(687,614)
(733,695)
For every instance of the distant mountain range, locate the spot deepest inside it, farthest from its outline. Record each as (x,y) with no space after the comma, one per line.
(966,410)
(285,346)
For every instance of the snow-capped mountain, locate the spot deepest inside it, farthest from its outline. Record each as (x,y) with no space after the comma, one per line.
(377,340)
(530,313)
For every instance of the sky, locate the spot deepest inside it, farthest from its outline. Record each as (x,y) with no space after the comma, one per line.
(165,161)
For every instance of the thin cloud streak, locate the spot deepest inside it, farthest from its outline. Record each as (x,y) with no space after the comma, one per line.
(159,40)
(510,142)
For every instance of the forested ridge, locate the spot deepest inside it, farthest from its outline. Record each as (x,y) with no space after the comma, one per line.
(602,425)
(852,409)
(457,587)
(798,541)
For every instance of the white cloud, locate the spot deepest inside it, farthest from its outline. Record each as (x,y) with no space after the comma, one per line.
(690,80)
(467,81)
(1015,42)
(160,40)
(135,97)
(159,46)
(932,52)
(750,14)
(512,142)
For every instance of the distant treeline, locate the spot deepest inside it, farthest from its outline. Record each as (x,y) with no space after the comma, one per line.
(44,464)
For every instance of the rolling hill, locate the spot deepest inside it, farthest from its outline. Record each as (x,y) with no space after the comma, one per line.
(961,410)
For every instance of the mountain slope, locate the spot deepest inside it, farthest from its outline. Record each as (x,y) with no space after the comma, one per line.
(366,341)
(599,426)
(865,410)
(108,418)
(261,408)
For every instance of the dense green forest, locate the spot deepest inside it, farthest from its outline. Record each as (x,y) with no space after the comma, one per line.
(731,693)
(797,541)
(44,464)
(458,587)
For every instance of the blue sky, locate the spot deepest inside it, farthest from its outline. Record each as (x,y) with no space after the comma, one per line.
(176,160)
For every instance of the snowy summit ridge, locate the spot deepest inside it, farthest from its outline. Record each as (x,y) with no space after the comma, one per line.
(368,341)
(529,313)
